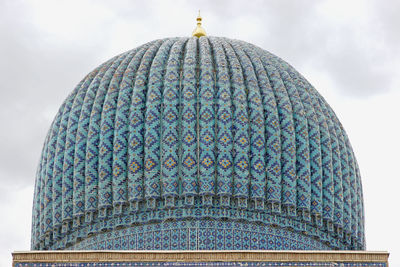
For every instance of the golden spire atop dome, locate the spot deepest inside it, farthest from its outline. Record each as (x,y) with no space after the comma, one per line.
(199,31)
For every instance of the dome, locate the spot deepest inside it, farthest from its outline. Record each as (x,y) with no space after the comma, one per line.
(197,143)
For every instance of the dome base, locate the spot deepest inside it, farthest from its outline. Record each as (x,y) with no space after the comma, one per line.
(204,234)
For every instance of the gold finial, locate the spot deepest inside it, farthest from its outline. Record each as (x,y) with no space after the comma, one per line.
(199,31)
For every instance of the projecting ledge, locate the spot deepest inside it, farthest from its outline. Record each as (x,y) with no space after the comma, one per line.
(134,258)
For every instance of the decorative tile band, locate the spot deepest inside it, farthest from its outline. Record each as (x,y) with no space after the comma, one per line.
(201,235)
(199,258)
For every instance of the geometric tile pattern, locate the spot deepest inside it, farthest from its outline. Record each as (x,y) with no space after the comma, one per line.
(201,235)
(204,129)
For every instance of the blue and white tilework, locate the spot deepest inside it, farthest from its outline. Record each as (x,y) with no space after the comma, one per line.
(197,143)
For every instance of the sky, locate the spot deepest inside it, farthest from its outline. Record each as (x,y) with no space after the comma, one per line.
(349,51)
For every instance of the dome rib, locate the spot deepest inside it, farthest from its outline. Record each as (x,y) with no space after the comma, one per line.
(106,147)
(241,138)
(272,134)
(288,142)
(119,144)
(70,142)
(189,113)
(81,144)
(326,161)
(303,185)
(315,164)
(192,138)
(93,141)
(54,130)
(224,124)
(353,186)
(40,222)
(136,141)
(170,122)
(336,165)
(120,151)
(57,185)
(206,131)
(153,119)
(256,130)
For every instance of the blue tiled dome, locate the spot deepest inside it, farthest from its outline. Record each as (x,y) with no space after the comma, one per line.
(197,143)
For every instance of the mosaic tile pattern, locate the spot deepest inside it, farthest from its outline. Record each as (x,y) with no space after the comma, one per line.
(201,235)
(206,129)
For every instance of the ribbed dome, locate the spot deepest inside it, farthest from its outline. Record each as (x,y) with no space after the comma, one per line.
(197,143)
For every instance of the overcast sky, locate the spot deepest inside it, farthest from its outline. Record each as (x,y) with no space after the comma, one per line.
(349,50)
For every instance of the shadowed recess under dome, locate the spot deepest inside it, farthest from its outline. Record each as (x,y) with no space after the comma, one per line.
(193,144)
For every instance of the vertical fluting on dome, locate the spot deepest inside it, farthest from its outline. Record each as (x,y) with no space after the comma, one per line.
(48,210)
(272,133)
(336,164)
(92,174)
(153,183)
(120,143)
(224,124)
(288,141)
(360,204)
(205,128)
(318,186)
(345,181)
(106,147)
(189,96)
(136,130)
(68,160)
(306,124)
(37,204)
(80,178)
(328,150)
(72,183)
(256,130)
(241,140)
(353,192)
(171,124)
(304,203)
(59,187)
